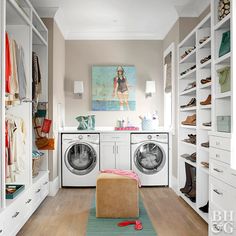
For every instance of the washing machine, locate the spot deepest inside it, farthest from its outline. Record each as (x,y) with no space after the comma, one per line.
(80,159)
(150,158)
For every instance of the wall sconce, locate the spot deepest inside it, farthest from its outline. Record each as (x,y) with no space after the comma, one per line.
(79,88)
(150,88)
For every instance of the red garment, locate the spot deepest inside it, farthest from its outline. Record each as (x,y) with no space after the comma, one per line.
(7,65)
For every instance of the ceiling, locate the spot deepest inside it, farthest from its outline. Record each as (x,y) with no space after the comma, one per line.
(117,19)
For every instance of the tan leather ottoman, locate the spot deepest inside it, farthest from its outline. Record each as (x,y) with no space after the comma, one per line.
(116,196)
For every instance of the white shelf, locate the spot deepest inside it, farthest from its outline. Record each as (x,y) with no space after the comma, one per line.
(206,64)
(224,59)
(224,95)
(207,85)
(191,57)
(202,107)
(205,127)
(204,169)
(188,126)
(188,144)
(206,44)
(190,73)
(189,162)
(189,92)
(188,109)
(224,23)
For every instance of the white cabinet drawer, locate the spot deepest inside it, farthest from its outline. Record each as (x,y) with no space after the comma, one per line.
(28,203)
(44,187)
(36,195)
(220,155)
(219,170)
(220,142)
(115,137)
(231,177)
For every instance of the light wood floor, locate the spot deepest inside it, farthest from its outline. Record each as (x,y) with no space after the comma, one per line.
(66,214)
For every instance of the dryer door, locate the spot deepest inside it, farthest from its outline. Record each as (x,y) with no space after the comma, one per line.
(80,158)
(149,158)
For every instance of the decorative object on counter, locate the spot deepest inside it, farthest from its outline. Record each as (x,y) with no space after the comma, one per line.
(225,44)
(41,110)
(223,9)
(121,126)
(79,88)
(224,124)
(224,79)
(86,122)
(37,158)
(207,101)
(113,88)
(150,122)
(150,88)
(12,190)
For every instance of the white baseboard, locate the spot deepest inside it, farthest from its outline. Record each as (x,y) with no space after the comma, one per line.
(54,187)
(174,184)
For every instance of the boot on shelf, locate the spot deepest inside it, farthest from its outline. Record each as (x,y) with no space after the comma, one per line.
(192,194)
(188,184)
(205,208)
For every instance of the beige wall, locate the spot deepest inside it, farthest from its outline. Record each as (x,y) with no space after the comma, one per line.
(178,32)
(146,56)
(56,63)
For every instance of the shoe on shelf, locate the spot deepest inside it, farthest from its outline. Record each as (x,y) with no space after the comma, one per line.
(193,157)
(206,144)
(205,164)
(205,208)
(201,41)
(191,103)
(192,139)
(207,101)
(190,86)
(205,59)
(192,194)
(190,120)
(207,124)
(205,81)
(188,183)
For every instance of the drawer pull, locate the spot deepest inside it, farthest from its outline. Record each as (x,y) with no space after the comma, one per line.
(45,183)
(28,201)
(217,170)
(1,231)
(217,155)
(16,214)
(38,190)
(233,174)
(216,191)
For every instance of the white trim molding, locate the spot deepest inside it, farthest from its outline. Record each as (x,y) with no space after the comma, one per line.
(174,184)
(54,187)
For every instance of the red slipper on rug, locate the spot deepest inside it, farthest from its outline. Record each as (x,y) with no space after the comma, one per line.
(126,223)
(138,225)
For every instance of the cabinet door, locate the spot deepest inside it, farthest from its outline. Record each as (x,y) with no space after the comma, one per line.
(123,156)
(107,158)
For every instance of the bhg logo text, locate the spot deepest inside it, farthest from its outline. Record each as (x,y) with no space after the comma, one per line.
(223,221)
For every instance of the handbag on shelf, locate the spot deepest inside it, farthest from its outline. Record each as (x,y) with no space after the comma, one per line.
(224,79)
(41,110)
(225,44)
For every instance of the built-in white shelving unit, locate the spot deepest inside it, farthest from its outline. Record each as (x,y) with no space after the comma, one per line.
(203,112)
(19,19)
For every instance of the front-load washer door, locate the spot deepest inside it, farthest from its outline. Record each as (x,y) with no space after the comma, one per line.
(149,158)
(80,158)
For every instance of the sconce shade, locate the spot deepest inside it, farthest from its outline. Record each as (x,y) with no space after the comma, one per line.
(78,87)
(150,86)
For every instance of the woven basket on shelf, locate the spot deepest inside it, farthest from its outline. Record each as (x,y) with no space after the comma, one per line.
(36,164)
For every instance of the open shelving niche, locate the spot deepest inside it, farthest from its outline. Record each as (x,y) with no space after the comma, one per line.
(22,23)
(203,113)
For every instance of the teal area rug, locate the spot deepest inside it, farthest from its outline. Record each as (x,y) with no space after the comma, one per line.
(108,227)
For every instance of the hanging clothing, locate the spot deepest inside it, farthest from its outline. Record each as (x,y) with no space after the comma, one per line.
(15,147)
(36,81)
(21,73)
(8,64)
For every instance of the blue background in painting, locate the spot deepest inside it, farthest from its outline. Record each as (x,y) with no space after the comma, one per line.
(102,88)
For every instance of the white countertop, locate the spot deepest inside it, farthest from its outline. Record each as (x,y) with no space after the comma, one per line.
(111,129)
